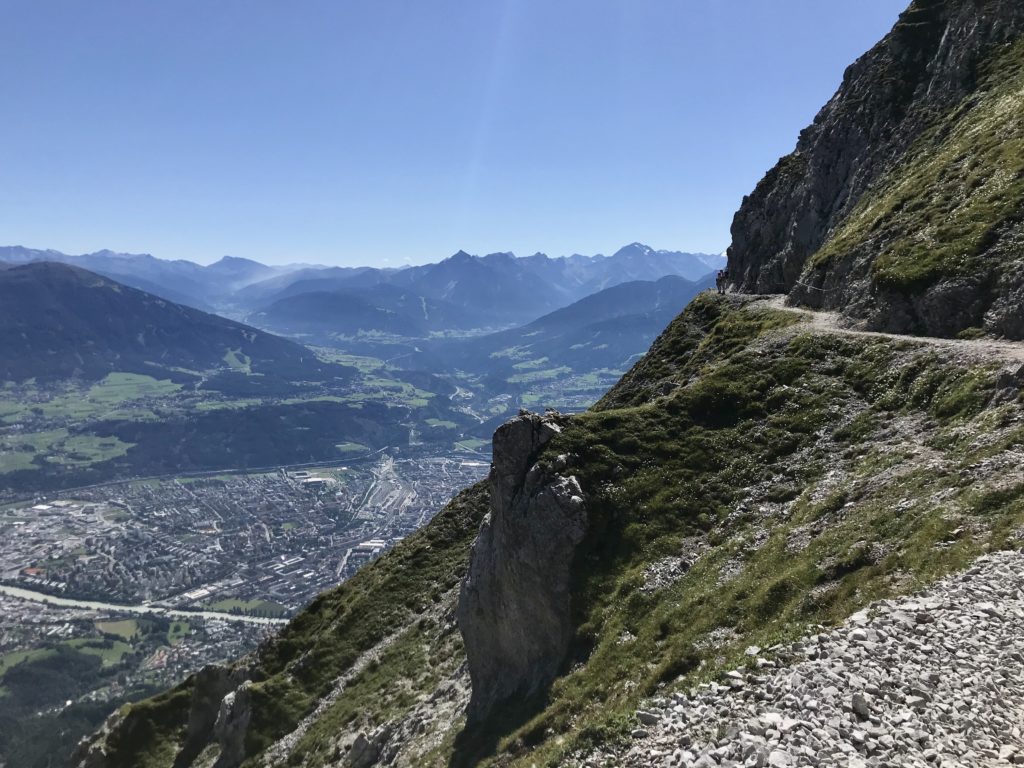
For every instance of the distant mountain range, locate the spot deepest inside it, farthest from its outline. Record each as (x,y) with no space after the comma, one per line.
(181,281)
(463,291)
(243,397)
(607,330)
(59,321)
(460,293)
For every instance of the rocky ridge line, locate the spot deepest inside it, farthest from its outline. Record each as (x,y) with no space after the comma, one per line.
(935,679)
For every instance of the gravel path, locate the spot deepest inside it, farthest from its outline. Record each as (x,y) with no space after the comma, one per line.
(936,679)
(833,322)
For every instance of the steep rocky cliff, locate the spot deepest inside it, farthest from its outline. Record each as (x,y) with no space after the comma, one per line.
(902,204)
(514,610)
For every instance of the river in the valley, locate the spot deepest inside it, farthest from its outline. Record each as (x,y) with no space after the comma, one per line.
(63,602)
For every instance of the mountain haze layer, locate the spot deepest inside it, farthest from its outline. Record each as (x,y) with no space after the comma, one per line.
(492,291)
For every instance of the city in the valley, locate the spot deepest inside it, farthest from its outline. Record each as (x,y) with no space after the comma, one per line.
(157,578)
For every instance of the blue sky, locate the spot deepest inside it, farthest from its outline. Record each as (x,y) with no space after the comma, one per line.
(384,132)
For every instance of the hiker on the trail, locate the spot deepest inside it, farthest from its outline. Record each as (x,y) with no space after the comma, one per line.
(720,279)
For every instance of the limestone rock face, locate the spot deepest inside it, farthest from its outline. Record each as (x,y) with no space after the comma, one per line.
(212,684)
(514,609)
(366,750)
(232,723)
(918,76)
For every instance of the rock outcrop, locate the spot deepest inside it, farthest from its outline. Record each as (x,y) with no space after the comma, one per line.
(887,209)
(213,693)
(366,750)
(514,611)
(231,725)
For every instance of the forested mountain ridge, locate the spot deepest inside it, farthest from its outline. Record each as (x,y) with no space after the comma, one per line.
(59,321)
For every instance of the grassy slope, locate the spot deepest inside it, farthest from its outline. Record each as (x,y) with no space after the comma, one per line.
(937,213)
(813,472)
(819,472)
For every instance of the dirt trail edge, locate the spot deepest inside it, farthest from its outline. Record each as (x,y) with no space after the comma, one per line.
(1011,353)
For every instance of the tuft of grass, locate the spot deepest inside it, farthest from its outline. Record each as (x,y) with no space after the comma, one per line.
(126,629)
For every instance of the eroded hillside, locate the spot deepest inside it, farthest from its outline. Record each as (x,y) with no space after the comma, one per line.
(754,475)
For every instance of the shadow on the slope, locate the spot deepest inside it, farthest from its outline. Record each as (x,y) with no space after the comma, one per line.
(478,741)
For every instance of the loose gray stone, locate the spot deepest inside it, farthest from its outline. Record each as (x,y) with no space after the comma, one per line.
(943,692)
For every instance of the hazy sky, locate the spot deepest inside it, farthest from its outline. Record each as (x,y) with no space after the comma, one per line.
(380,132)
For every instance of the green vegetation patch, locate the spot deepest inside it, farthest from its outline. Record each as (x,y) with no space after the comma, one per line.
(110,652)
(351,447)
(13,658)
(378,388)
(472,444)
(83,450)
(543,375)
(19,450)
(177,632)
(936,213)
(361,363)
(512,353)
(410,667)
(238,360)
(151,730)
(235,403)
(115,394)
(442,423)
(118,387)
(248,607)
(14,459)
(529,365)
(126,629)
